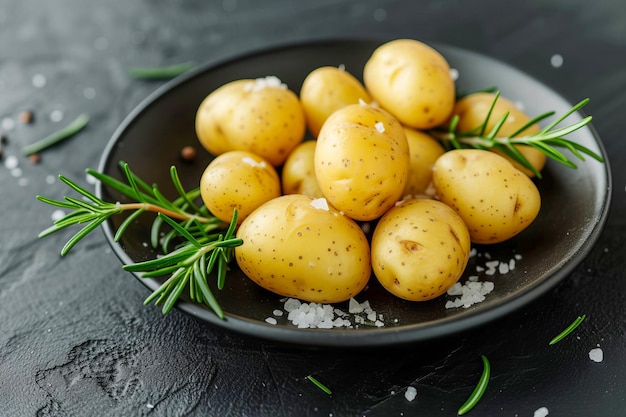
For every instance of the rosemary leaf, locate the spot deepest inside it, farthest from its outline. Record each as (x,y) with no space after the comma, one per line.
(319,384)
(68,131)
(568,329)
(479,390)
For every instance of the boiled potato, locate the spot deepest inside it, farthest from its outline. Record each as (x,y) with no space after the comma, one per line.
(424,151)
(238,180)
(261,116)
(298,246)
(362,161)
(473,110)
(327,89)
(420,249)
(495,200)
(412,81)
(298,173)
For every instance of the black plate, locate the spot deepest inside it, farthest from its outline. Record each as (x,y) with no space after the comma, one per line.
(574,206)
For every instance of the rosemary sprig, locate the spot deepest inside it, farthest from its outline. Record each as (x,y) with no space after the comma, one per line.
(58,136)
(319,384)
(568,329)
(548,141)
(189,263)
(156,73)
(479,390)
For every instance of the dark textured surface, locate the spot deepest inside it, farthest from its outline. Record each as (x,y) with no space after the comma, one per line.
(76,339)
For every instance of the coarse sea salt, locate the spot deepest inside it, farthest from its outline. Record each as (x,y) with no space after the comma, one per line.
(320,203)
(596,355)
(410,393)
(325,316)
(259,84)
(252,162)
(541,412)
(380,127)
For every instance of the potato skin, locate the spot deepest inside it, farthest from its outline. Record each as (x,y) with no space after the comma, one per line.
(298,172)
(420,249)
(238,180)
(267,121)
(297,250)
(472,111)
(495,200)
(424,151)
(327,89)
(412,81)
(360,169)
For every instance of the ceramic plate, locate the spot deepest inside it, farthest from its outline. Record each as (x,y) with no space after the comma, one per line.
(574,205)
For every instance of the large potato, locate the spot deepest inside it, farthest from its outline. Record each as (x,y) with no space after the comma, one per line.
(327,89)
(473,110)
(362,161)
(298,173)
(495,200)
(238,180)
(412,81)
(420,249)
(299,247)
(260,116)
(424,151)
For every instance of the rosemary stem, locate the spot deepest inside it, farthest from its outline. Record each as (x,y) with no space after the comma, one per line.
(158,209)
(56,137)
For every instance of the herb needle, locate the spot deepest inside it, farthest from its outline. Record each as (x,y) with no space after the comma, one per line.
(568,329)
(319,384)
(56,137)
(479,390)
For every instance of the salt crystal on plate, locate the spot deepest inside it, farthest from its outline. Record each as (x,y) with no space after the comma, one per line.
(410,393)
(320,203)
(541,412)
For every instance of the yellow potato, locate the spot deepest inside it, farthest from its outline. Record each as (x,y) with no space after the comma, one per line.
(412,81)
(472,111)
(495,200)
(299,247)
(298,173)
(424,151)
(420,249)
(327,89)
(260,116)
(238,180)
(362,161)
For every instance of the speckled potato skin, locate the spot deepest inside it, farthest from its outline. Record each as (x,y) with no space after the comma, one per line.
(495,200)
(296,250)
(420,249)
(361,170)
(412,81)
(327,89)
(424,151)
(269,122)
(238,180)
(472,111)
(298,172)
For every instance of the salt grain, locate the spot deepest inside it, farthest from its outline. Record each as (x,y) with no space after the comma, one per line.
(541,412)
(8,123)
(410,393)
(380,127)
(263,83)
(556,60)
(39,80)
(149,406)
(56,116)
(11,162)
(57,215)
(271,320)
(454,74)
(596,355)
(253,162)
(320,204)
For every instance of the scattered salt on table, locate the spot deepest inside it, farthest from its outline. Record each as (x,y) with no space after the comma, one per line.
(596,355)
(410,393)
(541,412)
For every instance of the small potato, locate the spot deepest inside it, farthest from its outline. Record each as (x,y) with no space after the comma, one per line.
(238,180)
(260,116)
(420,249)
(298,173)
(327,89)
(412,81)
(424,151)
(362,161)
(472,111)
(495,200)
(299,247)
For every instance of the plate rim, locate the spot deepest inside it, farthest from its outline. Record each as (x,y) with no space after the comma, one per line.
(372,337)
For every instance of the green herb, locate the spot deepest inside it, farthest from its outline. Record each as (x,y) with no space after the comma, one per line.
(58,136)
(546,141)
(319,384)
(202,248)
(160,72)
(479,390)
(568,330)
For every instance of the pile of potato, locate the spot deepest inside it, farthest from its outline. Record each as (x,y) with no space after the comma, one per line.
(304,205)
